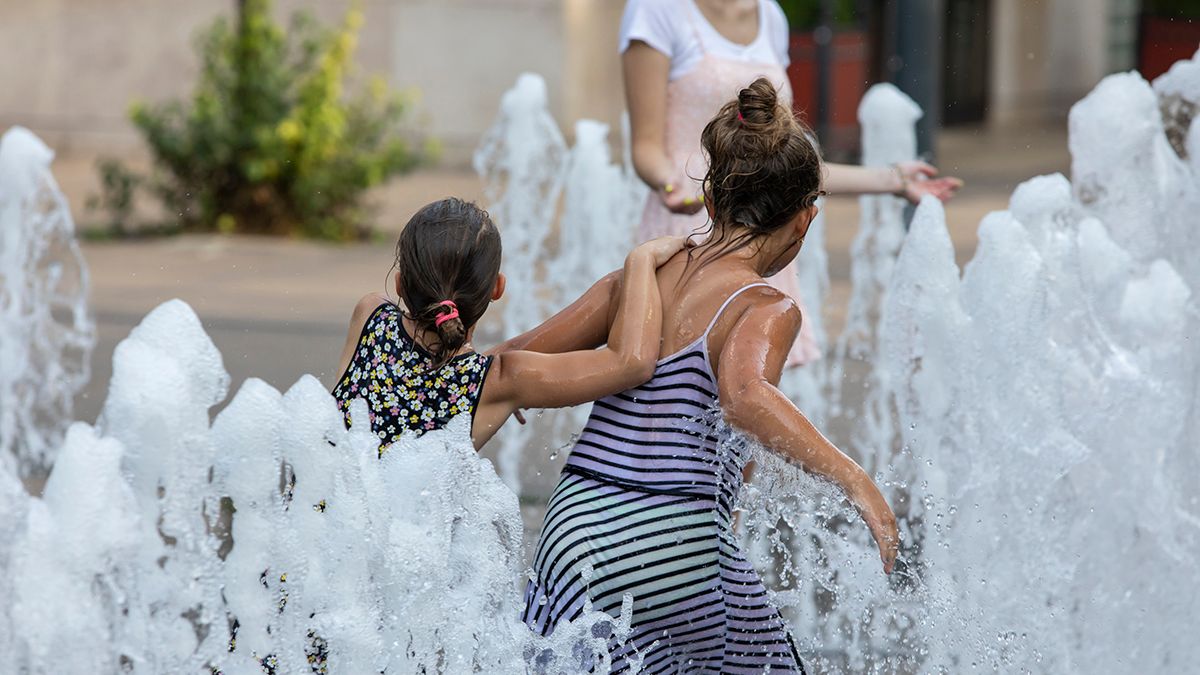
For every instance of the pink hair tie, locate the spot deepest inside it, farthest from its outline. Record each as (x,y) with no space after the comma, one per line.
(740,118)
(452,314)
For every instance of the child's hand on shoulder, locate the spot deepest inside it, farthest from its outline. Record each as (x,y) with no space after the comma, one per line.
(660,250)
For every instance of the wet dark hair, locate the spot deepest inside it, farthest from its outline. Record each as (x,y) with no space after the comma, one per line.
(449,250)
(763,167)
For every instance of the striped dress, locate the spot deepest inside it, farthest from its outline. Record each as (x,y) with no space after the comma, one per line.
(643,509)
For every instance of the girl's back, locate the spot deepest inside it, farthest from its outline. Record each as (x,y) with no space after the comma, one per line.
(660,436)
(694,296)
(643,513)
(645,505)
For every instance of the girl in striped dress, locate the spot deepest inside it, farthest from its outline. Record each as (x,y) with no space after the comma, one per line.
(414,364)
(643,511)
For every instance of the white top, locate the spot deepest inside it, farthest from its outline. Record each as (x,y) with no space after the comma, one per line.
(674,27)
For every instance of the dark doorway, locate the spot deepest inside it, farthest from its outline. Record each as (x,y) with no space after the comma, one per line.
(965,62)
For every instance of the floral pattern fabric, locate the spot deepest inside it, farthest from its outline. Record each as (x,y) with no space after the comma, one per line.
(403,387)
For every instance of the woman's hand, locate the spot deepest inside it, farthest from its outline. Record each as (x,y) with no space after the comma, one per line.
(918,179)
(661,250)
(680,199)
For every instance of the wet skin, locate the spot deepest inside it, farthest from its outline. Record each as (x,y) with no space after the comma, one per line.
(631,310)
(646,71)
(748,348)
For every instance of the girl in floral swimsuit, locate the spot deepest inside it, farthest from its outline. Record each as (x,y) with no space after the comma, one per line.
(417,370)
(415,365)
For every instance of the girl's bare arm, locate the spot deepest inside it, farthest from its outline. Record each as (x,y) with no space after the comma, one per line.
(749,369)
(527,379)
(362,311)
(911,180)
(584,324)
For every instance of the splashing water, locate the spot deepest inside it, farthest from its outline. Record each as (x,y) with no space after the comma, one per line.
(601,206)
(1056,343)
(1051,391)
(888,120)
(526,168)
(1035,423)
(273,535)
(46,334)
(1038,435)
(522,159)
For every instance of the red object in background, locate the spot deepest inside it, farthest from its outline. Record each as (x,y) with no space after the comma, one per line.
(848,71)
(1162,42)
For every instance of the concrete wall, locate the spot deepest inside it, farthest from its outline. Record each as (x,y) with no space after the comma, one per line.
(1046,54)
(463,54)
(69,68)
(593,84)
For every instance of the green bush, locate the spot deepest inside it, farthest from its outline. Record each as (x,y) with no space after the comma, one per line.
(1173,9)
(805,15)
(118,185)
(269,142)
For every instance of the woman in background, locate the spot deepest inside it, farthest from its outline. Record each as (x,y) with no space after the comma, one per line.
(682,60)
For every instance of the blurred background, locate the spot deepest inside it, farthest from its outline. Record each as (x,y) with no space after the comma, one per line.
(72,67)
(181,126)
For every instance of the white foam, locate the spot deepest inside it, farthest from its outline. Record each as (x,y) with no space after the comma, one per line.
(1033,423)
(527,169)
(157,531)
(46,333)
(1035,432)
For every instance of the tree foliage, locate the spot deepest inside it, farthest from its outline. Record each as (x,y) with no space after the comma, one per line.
(270,141)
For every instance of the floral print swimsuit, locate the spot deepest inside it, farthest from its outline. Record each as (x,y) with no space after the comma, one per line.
(404,389)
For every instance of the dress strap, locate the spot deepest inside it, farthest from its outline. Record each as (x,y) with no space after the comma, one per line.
(717,316)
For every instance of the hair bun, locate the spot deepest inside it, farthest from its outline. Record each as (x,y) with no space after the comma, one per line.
(759,102)
(762,167)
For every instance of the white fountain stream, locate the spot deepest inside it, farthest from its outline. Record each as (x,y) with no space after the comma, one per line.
(1033,415)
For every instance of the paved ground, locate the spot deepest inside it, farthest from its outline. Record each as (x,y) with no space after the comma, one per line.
(278,309)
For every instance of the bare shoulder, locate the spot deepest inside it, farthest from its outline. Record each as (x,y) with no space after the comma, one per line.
(369,302)
(362,313)
(758,316)
(762,314)
(757,345)
(358,320)
(764,302)
(498,383)
(366,307)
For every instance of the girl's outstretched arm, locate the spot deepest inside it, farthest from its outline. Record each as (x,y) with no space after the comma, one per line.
(584,324)
(910,180)
(525,379)
(748,377)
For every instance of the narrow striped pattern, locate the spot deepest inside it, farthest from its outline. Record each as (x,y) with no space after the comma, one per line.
(643,509)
